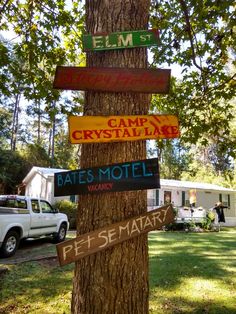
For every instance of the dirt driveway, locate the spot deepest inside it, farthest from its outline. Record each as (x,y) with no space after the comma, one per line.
(33,250)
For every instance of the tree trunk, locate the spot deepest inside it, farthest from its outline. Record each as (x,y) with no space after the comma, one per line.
(38,122)
(115,280)
(15,122)
(53,137)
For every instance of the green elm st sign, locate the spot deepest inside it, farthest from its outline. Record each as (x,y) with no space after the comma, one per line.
(120,40)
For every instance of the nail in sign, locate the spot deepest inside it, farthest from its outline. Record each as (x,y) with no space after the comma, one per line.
(101,239)
(120,40)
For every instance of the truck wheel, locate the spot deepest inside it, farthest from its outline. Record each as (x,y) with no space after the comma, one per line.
(61,235)
(10,244)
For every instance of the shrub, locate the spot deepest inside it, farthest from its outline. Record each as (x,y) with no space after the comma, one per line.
(70,209)
(210,217)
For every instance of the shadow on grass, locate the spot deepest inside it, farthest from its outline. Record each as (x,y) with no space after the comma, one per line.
(176,255)
(192,273)
(34,285)
(168,270)
(184,306)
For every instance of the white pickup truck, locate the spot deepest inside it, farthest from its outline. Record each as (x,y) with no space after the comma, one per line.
(24,217)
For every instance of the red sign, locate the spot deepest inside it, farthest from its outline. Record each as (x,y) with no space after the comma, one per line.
(112,79)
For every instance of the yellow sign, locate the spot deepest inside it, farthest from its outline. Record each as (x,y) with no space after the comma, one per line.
(100,129)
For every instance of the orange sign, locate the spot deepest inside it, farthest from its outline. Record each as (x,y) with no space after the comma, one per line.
(98,129)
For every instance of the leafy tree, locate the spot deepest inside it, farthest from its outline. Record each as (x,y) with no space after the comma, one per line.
(11,92)
(66,155)
(13,169)
(173,157)
(44,33)
(36,155)
(5,132)
(200,38)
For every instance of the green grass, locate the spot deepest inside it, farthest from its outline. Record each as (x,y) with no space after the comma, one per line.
(34,288)
(189,273)
(192,272)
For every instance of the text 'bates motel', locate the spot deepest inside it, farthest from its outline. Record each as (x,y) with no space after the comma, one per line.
(128,176)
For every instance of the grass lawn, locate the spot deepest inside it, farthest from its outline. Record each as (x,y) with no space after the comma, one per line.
(193,272)
(189,273)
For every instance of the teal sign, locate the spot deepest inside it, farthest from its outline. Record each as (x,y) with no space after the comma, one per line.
(121,40)
(128,176)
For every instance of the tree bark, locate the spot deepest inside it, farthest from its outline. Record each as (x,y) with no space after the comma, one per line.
(115,280)
(15,122)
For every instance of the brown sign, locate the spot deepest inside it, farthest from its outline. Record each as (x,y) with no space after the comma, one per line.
(101,239)
(112,79)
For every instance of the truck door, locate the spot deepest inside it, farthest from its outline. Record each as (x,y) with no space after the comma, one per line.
(49,217)
(36,218)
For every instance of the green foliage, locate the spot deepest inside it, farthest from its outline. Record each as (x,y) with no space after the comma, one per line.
(66,155)
(13,169)
(200,38)
(210,217)
(36,155)
(5,132)
(70,209)
(173,158)
(43,31)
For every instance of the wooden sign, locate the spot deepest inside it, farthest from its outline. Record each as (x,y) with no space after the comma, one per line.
(112,79)
(121,40)
(128,176)
(101,239)
(99,129)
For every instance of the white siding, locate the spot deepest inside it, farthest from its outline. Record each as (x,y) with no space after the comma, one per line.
(43,187)
(36,187)
(205,198)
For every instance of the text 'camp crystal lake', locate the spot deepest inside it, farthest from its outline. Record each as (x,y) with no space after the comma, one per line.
(92,129)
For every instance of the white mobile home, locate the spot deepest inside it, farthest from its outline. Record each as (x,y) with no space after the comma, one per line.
(184,193)
(39,182)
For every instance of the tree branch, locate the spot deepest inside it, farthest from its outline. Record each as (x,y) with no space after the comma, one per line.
(220,86)
(4,6)
(189,30)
